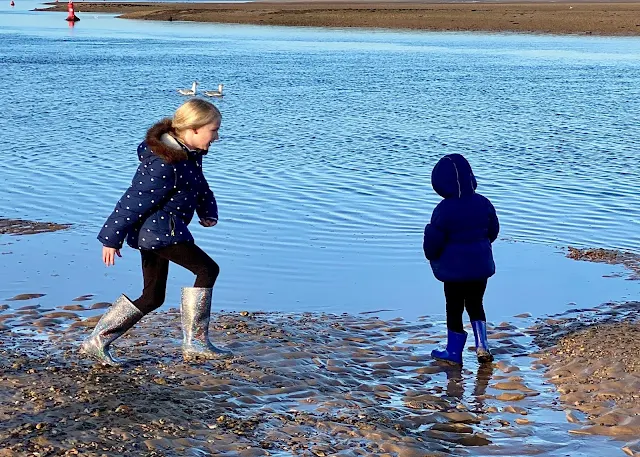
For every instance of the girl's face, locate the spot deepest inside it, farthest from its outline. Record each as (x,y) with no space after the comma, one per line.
(202,137)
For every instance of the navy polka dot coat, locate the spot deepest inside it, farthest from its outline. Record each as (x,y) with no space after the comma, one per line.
(167,189)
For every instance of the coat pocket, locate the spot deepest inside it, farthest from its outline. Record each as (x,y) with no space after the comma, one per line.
(172,225)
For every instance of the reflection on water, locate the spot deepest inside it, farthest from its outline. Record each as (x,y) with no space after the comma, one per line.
(327,144)
(348,383)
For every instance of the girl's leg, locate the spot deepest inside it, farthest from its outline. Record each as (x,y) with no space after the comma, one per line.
(455,293)
(474,294)
(124,313)
(155,270)
(195,307)
(473,303)
(194,259)
(456,336)
(120,317)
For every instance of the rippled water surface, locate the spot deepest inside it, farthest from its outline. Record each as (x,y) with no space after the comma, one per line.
(327,144)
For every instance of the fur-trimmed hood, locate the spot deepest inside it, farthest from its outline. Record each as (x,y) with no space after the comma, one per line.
(159,142)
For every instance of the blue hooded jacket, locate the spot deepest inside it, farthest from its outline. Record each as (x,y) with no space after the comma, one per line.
(167,189)
(458,239)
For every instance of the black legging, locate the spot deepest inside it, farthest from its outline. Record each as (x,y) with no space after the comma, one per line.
(155,269)
(461,295)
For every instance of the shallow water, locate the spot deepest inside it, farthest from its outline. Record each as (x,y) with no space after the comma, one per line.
(341,384)
(322,171)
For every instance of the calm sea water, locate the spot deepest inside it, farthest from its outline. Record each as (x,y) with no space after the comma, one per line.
(327,144)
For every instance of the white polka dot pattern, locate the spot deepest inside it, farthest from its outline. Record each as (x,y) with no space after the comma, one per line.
(161,202)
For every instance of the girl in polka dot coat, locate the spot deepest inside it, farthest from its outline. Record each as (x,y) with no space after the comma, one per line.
(153,216)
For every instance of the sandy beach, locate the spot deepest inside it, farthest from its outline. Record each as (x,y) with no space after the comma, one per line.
(314,384)
(597,18)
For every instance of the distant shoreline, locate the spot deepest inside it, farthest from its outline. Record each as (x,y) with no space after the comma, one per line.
(565,18)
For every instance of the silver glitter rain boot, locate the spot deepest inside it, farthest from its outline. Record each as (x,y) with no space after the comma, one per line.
(195,310)
(112,325)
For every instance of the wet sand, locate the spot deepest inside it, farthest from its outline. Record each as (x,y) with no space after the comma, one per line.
(314,384)
(24,227)
(598,18)
(629,260)
(595,365)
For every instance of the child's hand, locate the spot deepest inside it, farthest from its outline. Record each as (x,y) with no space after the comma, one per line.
(208,222)
(109,255)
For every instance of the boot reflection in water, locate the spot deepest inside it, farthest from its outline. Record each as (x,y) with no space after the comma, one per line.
(455,381)
(483,376)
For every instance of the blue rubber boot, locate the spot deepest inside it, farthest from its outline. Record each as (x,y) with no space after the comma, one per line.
(455,345)
(482,345)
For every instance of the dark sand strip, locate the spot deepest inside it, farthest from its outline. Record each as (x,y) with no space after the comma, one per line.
(629,260)
(23,227)
(602,18)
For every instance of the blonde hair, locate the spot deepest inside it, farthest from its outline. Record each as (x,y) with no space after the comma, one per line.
(193,114)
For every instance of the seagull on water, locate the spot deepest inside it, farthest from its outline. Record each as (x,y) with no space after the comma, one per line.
(191,91)
(215,93)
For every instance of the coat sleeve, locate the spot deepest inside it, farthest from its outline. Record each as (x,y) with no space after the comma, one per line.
(435,236)
(207,207)
(494,223)
(153,182)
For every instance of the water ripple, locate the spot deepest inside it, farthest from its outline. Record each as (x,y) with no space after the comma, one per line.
(329,137)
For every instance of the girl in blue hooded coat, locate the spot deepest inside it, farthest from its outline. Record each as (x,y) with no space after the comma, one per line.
(153,216)
(457,242)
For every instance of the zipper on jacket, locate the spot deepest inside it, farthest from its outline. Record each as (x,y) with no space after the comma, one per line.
(172,221)
(175,176)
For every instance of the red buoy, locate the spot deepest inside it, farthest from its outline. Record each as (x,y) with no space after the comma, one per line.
(72,15)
